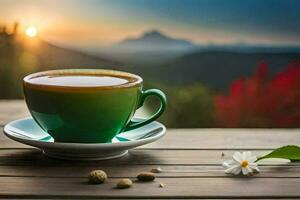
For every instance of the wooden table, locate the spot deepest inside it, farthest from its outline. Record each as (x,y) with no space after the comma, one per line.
(190,160)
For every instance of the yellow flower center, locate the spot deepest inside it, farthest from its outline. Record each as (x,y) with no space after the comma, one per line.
(245,163)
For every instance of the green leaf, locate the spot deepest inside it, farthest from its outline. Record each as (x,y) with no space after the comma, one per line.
(291,152)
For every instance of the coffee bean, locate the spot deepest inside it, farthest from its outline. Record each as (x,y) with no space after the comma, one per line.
(124,183)
(97,177)
(146,176)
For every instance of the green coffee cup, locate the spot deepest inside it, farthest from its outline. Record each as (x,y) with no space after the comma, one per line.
(87,106)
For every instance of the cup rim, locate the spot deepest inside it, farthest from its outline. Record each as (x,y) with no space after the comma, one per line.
(135,82)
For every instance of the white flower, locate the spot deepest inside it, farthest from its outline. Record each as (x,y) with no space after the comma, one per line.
(241,162)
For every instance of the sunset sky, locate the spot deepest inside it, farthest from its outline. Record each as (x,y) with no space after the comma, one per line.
(103,22)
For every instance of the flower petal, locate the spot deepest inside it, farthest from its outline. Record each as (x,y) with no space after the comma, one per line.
(253,164)
(244,155)
(246,170)
(229,170)
(252,159)
(248,155)
(237,156)
(228,163)
(254,167)
(233,169)
(237,170)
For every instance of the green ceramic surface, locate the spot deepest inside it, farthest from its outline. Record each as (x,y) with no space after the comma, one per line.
(88,114)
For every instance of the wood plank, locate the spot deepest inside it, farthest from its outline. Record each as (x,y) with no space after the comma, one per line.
(6,142)
(33,187)
(215,138)
(34,157)
(12,110)
(189,171)
(147,198)
(208,139)
(144,198)
(168,171)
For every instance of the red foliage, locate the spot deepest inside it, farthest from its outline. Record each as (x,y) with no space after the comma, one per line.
(259,101)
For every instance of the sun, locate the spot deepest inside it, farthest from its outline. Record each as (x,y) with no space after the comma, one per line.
(31,31)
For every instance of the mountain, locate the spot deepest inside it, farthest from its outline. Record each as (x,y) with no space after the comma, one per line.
(155,41)
(216,69)
(151,48)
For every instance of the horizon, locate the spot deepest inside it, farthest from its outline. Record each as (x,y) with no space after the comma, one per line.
(203,22)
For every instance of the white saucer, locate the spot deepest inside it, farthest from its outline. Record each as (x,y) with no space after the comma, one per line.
(26,131)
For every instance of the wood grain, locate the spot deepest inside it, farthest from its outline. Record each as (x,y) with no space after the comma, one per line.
(174,188)
(216,138)
(190,160)
(12,110)
(34,157)
(6,142)
(168,171)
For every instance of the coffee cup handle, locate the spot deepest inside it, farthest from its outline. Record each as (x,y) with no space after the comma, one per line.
(163,102)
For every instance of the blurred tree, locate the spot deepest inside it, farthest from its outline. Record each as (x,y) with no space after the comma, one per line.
(188,106)
(7,66)
(12,65)
(259,101)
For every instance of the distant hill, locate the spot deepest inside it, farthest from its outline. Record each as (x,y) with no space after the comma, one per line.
(21,56)
(216,69)
(51,56)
